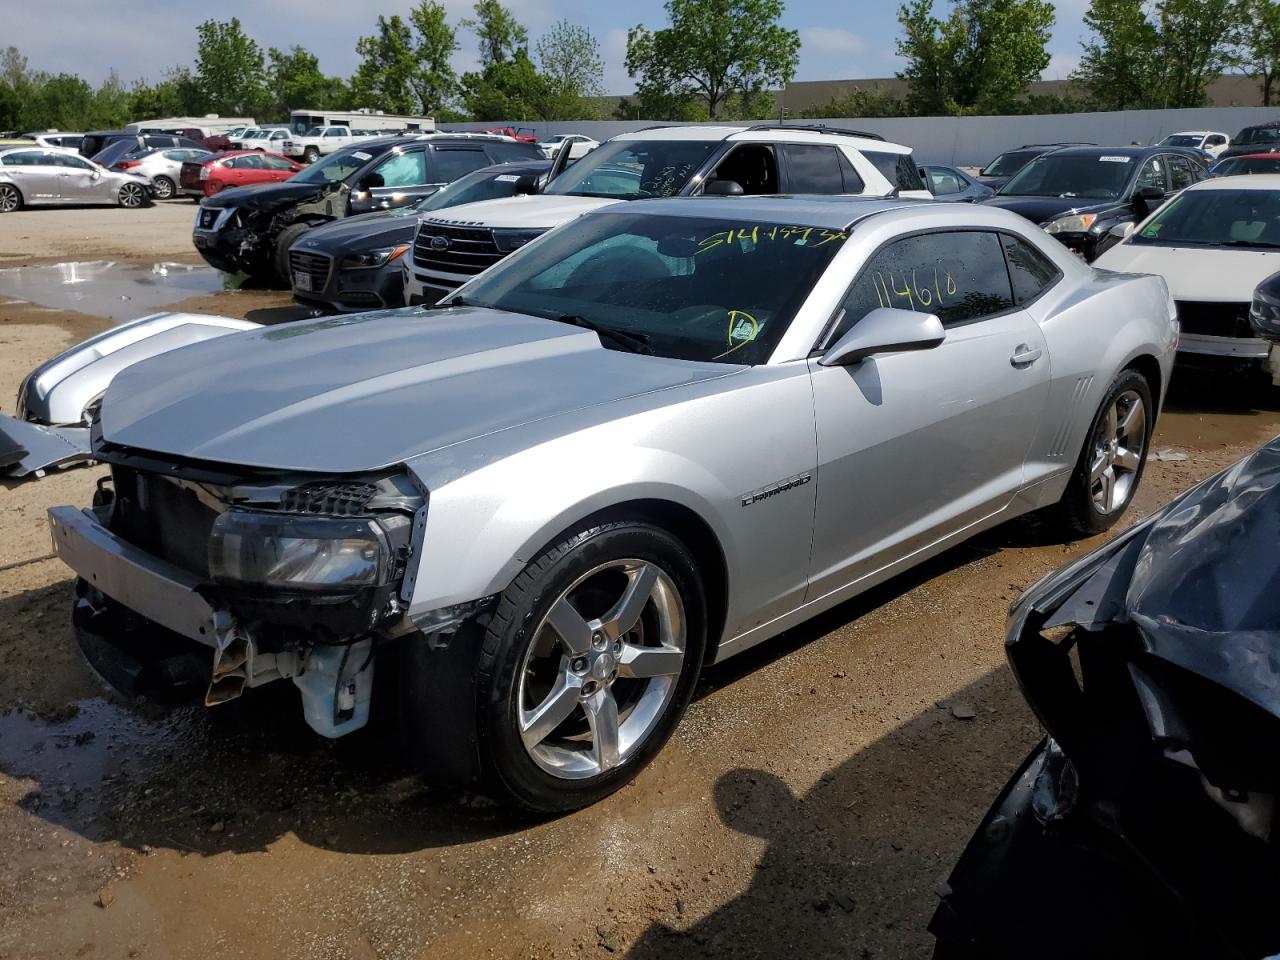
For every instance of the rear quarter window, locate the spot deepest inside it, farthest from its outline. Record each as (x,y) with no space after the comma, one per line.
(898,168)
(1031,273)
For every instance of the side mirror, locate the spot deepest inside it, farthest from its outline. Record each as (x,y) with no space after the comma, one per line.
(528,183)
(1122,230)
(885,330)
(1150,194)
(722,188)
(371,181)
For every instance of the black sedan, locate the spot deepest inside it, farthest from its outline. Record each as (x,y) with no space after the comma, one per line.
(1145,824)
(1078,194)
(354,264)
(953,185)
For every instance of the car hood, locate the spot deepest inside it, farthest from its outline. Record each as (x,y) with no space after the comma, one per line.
(995,183)
(263,195)
(364,391)
(535,211)
(1196,273)
(362,232)
(1043,209)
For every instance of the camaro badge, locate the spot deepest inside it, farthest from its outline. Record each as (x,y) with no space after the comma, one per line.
(782,486)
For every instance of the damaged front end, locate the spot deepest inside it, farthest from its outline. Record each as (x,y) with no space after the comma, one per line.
(203,580)
(1146,824)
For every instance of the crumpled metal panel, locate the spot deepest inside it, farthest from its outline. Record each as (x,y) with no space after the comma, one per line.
(29,449)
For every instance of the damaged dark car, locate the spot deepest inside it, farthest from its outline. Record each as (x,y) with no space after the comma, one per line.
(250,229)
(1144,825)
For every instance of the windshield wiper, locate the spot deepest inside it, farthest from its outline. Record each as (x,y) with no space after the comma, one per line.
(633,342)
(1250,243)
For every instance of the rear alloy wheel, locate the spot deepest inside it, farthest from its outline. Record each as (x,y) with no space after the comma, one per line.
(311,154)
(10,198)
(589,662)
(1111,464)
(163,188)
(132,195)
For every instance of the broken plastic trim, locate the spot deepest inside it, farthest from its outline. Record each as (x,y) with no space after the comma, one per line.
(29,449)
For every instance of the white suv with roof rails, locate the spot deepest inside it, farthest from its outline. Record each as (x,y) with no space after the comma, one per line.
(453,245)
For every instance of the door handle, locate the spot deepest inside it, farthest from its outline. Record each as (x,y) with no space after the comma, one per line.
(1024,355)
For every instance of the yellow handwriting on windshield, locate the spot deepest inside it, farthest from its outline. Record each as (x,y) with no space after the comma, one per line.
(743,328)
(811,237)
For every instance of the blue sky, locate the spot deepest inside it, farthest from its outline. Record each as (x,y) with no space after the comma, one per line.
(140,38)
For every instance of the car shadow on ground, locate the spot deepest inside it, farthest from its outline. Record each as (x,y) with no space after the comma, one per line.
(893,817)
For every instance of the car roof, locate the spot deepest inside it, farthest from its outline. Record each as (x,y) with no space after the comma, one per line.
(1253,156)
(1114,151)
(764,133)
(1247,181)
(828,212)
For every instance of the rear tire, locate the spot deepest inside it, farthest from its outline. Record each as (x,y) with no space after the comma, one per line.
(1112,461)
(288,237)
(164,188)
(587,665)
(311,154)
(10,198)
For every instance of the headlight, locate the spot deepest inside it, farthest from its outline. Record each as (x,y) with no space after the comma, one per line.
(508,240)
(1264,314)
(298,552)
(1076,223)
(373,258)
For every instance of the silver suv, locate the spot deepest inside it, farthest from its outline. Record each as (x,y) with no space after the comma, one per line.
(450,248)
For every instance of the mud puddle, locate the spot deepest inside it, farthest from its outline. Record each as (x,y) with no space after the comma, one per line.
(1214,409)
(112,289)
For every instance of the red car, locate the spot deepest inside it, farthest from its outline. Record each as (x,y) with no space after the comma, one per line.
(1247,163)
(238,168)
(523,134)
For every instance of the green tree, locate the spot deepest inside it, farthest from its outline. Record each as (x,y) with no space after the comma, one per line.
(1259,43)
(294,80)
(1162,54)
(510,89)
(385,76)
(715,50)
(501,35)
(435,42)
(570,60)
(229,68)
(980,60)
(857,103)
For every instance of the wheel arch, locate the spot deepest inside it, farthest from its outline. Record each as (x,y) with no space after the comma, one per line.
(1147,365)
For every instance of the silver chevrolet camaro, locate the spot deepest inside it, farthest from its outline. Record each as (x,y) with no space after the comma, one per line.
(646,441)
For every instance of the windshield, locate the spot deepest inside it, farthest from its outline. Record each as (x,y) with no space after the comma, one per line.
(1232,218)
(632,169)
(335,167)
(1007,164)
(684,287)
(485,184)
(1094,176)
(1258,135)
(1182,140)
(1233,166)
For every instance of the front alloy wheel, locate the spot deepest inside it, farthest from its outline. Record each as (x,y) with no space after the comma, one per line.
(10,198)
(595,681)
(588,663)
(1118,445)
(132,195)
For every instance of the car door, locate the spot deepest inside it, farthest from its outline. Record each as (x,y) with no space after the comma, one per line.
(279,167)
(83,182)
(916,447)
(810,168)
(35,173)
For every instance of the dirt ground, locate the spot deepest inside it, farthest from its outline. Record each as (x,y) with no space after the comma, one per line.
(816,794)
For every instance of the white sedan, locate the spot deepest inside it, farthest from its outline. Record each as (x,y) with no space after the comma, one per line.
(1213,244)
(581,145)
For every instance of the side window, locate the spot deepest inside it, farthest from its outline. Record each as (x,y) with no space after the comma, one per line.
(942,182)
(68,160)
(852,182)
(448,165)
(250,161)
(1182,172)
(1030,271)
(959,276)
(1152,175)
(1216,140)
(897,168)
(510,152)
(812,169)
(275,163)
(752,166)
(403,169)
(335,132)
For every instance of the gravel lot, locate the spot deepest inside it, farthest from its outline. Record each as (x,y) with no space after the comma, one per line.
(818,791)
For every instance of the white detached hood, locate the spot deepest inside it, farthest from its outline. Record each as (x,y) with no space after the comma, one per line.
(1196,273)
(539,211)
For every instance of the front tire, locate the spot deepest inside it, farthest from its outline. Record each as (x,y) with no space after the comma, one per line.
(10,198)
(288,237)
(588,664)
(311,154)
(1113,459)
(132,196)
(164,188)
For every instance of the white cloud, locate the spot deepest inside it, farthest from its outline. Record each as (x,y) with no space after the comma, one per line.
(830,40)
(1061,66)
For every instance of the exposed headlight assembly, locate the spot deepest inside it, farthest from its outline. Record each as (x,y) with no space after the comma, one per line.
(373,258)
(298,552)
(1075,223)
